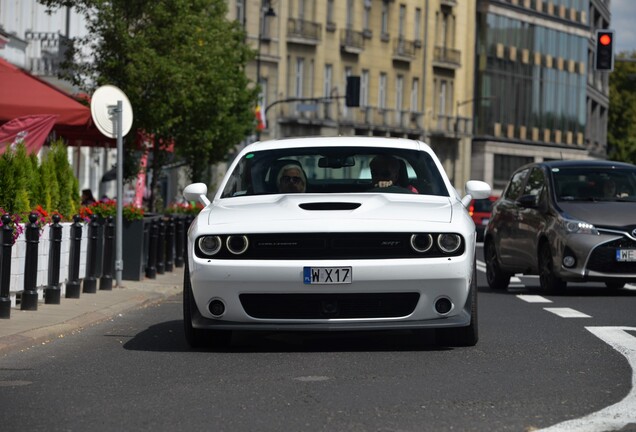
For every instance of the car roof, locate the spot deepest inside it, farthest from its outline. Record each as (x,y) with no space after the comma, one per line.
(341,141)
(580,164)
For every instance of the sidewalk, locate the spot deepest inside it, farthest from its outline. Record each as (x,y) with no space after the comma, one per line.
(27,328)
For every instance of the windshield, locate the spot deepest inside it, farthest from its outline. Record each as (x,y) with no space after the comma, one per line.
(598,184)
(335,170)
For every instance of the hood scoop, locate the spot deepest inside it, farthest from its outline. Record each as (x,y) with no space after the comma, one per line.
(329,206)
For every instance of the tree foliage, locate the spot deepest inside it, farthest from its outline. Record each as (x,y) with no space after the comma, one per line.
(182,65)
(621,128)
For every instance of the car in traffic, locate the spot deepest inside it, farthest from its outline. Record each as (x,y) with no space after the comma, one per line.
(566,221)
(479,210)
(296,239)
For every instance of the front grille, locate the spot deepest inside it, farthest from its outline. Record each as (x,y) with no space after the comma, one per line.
(603,259)
(323,306)
(330,246)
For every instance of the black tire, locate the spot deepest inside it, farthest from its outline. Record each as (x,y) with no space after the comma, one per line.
(615,285)
(463,336)
(548,280)
(498,280)
(199,338)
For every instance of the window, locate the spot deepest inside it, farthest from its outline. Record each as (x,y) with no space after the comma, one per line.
(330,11)
(401,21)
(300,69)
(240,11)
(441,98)
(535,183)
(326,86)
(366,18)
(364,88)
(385,18)
(382,91)
(349,14)
(262,97)
(415,89)
(417,25)
(514,187)
(505,165)
(399,93)
(301,9)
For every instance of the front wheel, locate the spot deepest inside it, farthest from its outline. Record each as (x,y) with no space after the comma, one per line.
(548,280)
(497,279)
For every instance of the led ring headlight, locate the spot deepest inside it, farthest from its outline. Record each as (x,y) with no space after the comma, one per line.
(237,244)
(210,245)
(449,243)
(421,242)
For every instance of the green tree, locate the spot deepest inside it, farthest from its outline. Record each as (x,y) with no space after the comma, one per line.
(182,65)
(621,127)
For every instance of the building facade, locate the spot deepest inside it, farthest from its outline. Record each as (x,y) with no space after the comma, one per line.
(415,60)
(537,95)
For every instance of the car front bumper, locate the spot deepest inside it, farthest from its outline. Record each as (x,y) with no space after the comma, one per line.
(431,279)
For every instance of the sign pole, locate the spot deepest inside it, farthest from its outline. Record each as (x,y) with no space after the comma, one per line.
(119,264)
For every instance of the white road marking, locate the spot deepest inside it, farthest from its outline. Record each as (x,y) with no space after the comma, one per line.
(533,298)
(567,313)
(614,417)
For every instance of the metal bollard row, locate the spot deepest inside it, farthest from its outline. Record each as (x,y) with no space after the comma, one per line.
(164,249)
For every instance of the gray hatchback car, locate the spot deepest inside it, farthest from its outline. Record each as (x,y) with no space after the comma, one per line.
(567,221)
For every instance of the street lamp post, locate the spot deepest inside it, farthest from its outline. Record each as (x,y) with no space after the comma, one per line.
(265,11)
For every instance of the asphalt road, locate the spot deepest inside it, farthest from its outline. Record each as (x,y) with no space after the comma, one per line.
(534,367)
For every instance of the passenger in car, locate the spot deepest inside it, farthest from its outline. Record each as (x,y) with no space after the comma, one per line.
(385,172)
(291,179)
(609,188)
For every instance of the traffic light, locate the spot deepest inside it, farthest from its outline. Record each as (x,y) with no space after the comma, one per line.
(604,50)
(352,98)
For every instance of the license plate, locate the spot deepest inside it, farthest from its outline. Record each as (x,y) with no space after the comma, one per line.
(327,275)
(626,255)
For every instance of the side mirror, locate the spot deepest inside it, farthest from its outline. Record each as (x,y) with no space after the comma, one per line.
(197,192)
(476,189)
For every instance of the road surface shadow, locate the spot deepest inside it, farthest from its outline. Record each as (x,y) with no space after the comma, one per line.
(169,337)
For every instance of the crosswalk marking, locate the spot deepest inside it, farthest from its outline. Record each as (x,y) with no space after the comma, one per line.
(533,298)
(567,313)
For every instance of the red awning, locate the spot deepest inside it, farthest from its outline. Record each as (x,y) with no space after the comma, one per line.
(23,94)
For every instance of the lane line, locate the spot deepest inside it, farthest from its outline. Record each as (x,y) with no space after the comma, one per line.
(567,313)
(533,298)
(614,417)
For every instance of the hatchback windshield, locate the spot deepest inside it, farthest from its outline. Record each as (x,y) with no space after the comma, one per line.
(335,170)
(599,184)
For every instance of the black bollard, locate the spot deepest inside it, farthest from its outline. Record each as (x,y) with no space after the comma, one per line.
(73,280)
(178,244)
(29,298)
(52,290)
(151,266)
(106,281)
(170,245)
(161,247)
(5,267)
(90,281)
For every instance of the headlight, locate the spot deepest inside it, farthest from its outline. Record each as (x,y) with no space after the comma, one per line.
(579,227)
(421,242)
(449,243)
(210,245)
(237,244)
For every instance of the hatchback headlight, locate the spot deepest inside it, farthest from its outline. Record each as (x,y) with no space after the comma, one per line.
(579,227)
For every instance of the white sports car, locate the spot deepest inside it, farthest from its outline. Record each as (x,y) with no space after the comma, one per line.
(340,233)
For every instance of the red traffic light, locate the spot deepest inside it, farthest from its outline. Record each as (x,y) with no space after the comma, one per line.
(605,39)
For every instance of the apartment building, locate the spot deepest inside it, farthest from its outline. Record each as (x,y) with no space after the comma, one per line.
(537,95)
(415,60)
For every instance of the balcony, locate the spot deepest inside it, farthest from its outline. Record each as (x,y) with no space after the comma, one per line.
(449,126)
(446,57)
(403,50)
(53,47)
(303,32)
(351,41)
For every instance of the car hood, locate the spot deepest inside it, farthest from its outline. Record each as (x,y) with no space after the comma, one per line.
(307,212)
(601,213)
